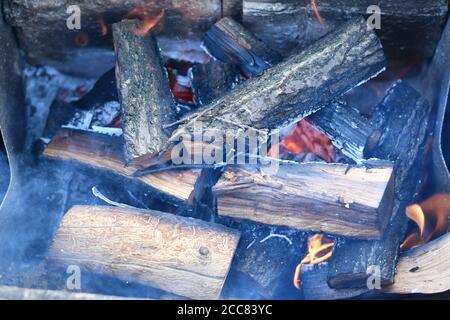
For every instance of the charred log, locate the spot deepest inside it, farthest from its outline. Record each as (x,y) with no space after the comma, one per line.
(403,119)
(180,255)
(289,26)
(230,42)
(105,152)
(144,92)
(356,204)
(297,87)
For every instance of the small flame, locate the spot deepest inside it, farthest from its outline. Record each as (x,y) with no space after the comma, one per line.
(149,21)
(431,218)
(103,26)
(317,12)
(307,139)
(320,249)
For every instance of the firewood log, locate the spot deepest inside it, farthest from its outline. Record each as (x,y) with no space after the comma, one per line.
(424,269)
(46,39)
(297,87)
(289,26)
(403,121)
(144,92)
(353,201)
(105,152)
(187,257)
(230,42)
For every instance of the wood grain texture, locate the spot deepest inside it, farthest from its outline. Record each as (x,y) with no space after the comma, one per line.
(424,270)
(352,201)
(144,92)
(184,256)
(105,152)
(297,87)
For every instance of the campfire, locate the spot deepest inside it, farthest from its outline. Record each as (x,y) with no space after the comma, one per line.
(224,149)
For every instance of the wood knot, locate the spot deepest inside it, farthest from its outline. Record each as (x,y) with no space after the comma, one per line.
(204,251)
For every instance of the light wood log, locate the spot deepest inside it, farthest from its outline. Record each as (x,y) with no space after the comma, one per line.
(425,269)
(184,256)
(105,152)
(144,92)
(353,201)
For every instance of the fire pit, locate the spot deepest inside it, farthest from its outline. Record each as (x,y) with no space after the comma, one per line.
(225,149)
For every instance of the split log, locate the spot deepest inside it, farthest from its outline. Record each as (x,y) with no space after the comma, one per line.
(424,269)
(45,38)
(289,26)
(348,130)
(144,92)
(212,80)
(404,125)
(187,257)
(297,87)
(230,42)
(105,152)
(353,201)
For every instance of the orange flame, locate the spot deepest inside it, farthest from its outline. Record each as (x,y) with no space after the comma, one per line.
(308,139)
(320,249)
(431,218)
(103,26)
(317,12)
(149,21)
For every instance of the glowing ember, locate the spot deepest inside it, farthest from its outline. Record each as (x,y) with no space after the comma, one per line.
(179,91)
(81,39)
(320,249)
(431,218)
(149,20)
(317,12)
(307,139)
(103,27)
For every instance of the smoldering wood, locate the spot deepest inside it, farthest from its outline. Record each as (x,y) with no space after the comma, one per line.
(404,124)
(212,80)
(144,92)
(289,26)
(230,42)
(45,38)
(297,87)
(105,152)
(357,203)
(424,269)
(187,257)
(348,130)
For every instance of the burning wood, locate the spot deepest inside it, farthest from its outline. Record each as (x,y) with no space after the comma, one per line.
(229,42)
(357,203)
(144,92)
(320,249)
(432,219)
(187,257)
(105,152)
(398,138)
(297,87)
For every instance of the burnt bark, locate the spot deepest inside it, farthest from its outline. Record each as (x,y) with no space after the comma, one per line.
(144,92)
(404,123)
(230,42)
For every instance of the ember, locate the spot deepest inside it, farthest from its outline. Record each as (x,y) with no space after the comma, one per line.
(320,249)
(431,218)
(148,19)
(317,12)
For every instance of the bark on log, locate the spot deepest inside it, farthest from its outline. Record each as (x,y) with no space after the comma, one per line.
(187,257)
(404,122)
(44,36)
(356,204)
(297,87)
(348,130)
(424,269)
(290,25)
(230,42)
(213,80)
(144,92)
(105,152)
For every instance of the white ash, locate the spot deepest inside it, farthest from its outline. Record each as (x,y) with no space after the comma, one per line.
(101,196)
(105,114)
(81,121)
(118,132)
